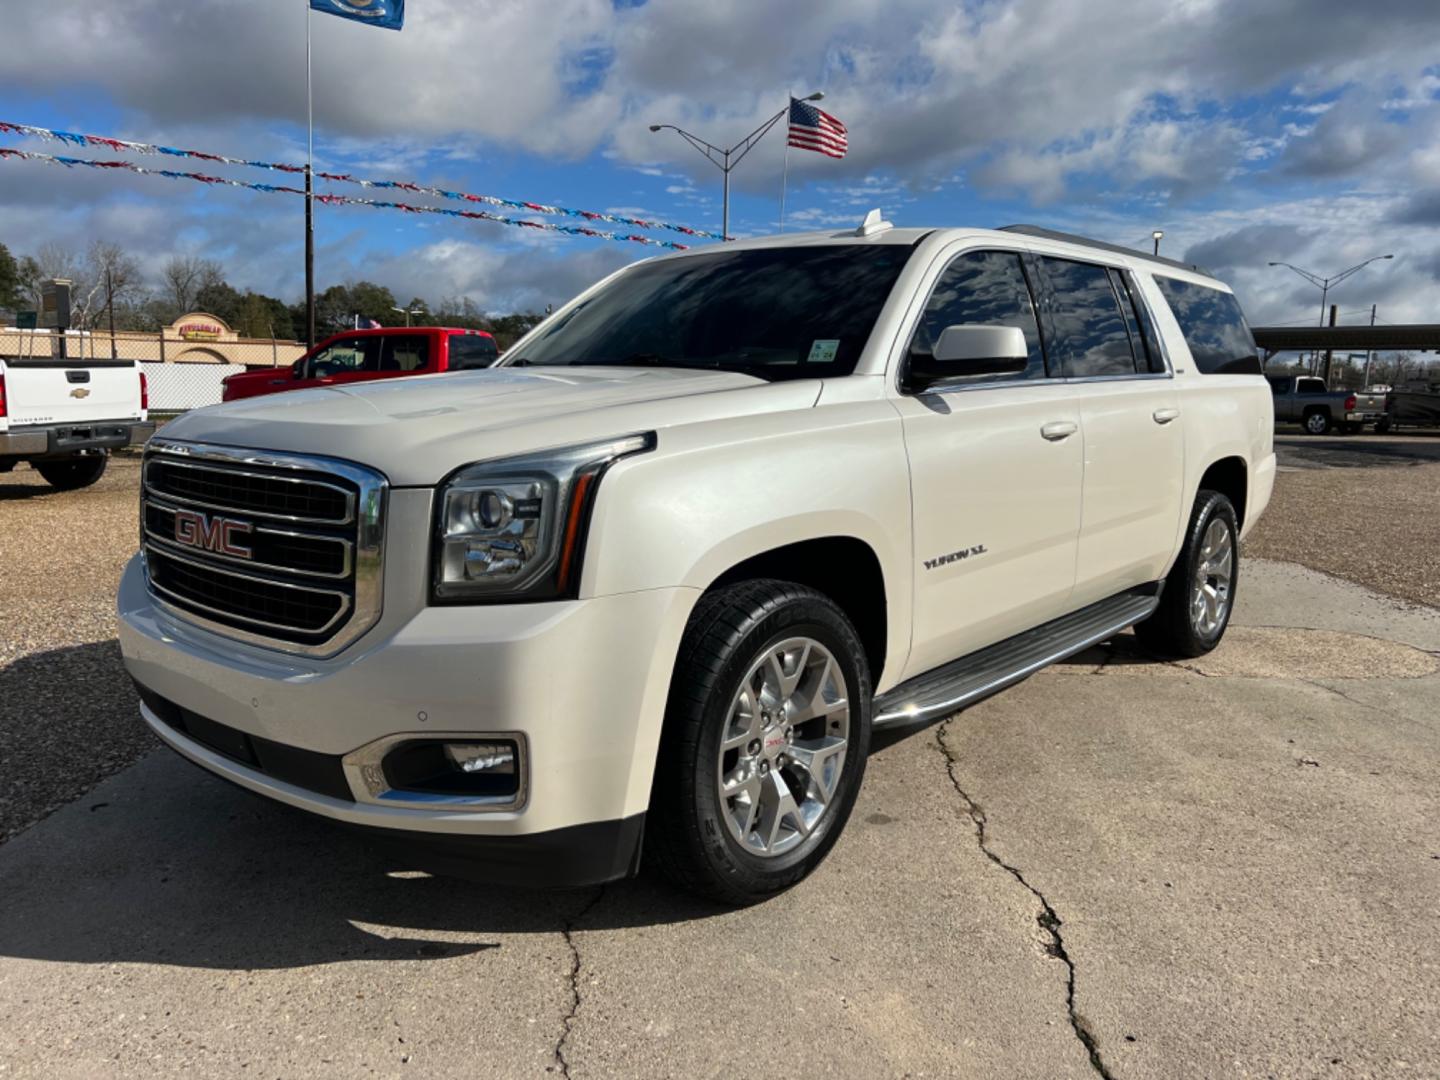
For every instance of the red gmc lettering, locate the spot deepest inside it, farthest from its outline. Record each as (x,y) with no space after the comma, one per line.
(215,534)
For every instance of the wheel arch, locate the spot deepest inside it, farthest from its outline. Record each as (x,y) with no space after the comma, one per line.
(844,568)
(1230,476)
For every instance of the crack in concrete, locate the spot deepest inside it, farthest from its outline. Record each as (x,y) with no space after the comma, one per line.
(561,1062)
(1388,714)
(1048,920)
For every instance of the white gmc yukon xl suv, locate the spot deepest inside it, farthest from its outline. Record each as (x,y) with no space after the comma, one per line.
(650,583)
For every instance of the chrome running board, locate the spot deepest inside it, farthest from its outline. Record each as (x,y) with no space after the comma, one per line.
(984,672)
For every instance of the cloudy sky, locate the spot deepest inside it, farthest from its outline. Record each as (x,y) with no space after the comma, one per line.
(1297,130)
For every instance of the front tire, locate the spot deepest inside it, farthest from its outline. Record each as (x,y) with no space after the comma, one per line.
(766,735)
(1199,593)
(71,474)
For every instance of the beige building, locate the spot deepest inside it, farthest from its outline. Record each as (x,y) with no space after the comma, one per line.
(196,338)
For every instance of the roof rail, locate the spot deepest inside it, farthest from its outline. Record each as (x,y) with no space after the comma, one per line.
(1071,238)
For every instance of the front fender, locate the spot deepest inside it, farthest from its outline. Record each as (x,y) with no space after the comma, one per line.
(712,496)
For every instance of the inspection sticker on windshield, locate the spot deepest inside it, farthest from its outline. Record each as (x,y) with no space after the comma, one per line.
(823,350)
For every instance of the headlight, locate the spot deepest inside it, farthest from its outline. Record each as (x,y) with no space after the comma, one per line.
(515,528)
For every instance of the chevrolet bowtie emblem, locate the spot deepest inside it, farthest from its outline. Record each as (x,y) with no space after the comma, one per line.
(80,392)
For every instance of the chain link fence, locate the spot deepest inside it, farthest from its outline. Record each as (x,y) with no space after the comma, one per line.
(182,372)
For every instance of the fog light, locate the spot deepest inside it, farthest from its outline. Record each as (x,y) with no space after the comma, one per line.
(485,757)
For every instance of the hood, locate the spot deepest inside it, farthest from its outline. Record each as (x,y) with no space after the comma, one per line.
(418,430)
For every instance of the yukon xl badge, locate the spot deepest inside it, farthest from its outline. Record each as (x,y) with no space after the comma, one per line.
(954,556)
(217,534)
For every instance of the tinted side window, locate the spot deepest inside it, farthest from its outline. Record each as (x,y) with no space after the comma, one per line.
(1089,332)
(470,351)
(983,288)
(1214,328)
(404,353)
(1310,386)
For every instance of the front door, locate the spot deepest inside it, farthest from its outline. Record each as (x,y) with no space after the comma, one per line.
(996,471)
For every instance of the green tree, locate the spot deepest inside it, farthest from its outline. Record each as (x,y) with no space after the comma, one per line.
(9,280)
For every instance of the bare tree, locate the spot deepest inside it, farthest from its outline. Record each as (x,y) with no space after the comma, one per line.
(51,261)
(184,276)
(110,276)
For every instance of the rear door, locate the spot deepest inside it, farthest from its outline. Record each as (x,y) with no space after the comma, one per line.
(1134,450)
(404,354)
(995,475)
(46,389)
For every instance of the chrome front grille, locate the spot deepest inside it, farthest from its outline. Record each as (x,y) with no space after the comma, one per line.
(281,550)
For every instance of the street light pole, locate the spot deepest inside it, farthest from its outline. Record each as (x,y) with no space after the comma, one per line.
(407,312)
(725,159)
(1324,284)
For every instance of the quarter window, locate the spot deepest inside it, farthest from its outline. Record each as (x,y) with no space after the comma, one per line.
(982,288)
(470,351)
(1089,335)
(1214,327)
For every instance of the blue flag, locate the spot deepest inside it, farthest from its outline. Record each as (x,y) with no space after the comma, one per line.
(387,13)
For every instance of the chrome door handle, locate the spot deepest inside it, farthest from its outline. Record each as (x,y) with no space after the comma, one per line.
(1059,429)
(1164,416)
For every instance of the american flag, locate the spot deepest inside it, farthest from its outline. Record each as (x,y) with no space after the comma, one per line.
(812,129)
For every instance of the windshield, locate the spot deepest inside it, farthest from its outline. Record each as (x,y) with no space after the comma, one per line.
(778,313)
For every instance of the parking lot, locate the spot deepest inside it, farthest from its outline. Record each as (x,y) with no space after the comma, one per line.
(1229,867)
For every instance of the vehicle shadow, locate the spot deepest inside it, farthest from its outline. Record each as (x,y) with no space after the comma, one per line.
(11,491)
(166,864)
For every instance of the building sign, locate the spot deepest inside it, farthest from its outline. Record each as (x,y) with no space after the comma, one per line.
(195,331)
(200,326)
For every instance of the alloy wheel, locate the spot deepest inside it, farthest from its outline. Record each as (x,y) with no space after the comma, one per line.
(783,748)
(1214,574)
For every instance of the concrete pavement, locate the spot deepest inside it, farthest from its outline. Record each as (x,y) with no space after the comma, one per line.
(1225,868)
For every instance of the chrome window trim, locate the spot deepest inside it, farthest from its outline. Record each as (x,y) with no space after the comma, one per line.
(346,545)
(1147,376)
(364,771)
(368,555)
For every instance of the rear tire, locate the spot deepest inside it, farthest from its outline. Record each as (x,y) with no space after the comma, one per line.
(71,474)
(766,734)
(1317,422)
(1199,593)
(1351,428)
(1382,426)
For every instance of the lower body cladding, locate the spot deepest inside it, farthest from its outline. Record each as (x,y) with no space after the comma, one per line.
(62,440)
(512,744)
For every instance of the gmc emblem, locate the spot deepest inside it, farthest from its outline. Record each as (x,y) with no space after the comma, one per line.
(217,534)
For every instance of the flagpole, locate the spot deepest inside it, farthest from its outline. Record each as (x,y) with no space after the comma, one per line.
(309,193)
(785,170)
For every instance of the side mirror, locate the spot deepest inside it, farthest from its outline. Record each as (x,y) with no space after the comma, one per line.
(297,369)
(968,351)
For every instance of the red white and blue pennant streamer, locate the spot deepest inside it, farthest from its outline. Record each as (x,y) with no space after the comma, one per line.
(339,200)
(119,145)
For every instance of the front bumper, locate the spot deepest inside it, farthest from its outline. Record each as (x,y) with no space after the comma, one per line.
(584,682)
(61,440)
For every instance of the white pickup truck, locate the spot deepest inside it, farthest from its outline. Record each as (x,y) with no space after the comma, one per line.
(63,415)
(649,585)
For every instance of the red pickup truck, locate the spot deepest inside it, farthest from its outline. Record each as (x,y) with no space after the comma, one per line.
(361,355)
